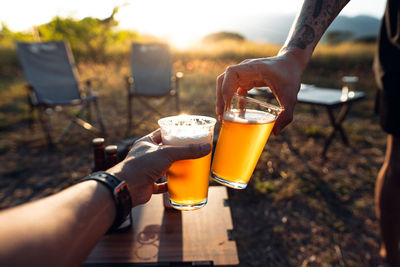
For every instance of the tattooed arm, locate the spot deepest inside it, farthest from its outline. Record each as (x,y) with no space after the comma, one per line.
(309,26)
(283,72)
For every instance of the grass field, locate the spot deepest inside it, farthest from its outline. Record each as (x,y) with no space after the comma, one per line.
(298,210)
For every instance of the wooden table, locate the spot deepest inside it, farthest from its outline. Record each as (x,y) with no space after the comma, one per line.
(162,237)
(325,97)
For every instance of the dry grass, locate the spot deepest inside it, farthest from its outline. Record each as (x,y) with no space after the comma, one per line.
(346,50)
(298,210)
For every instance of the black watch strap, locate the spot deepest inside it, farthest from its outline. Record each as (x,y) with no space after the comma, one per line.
(120,193)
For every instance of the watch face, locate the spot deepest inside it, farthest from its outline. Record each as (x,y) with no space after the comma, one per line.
(120,187)
(123,196)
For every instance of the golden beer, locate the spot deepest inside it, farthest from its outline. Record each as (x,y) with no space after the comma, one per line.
(188,179)
(241,141)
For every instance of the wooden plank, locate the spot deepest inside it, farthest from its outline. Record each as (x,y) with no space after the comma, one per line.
(162,235)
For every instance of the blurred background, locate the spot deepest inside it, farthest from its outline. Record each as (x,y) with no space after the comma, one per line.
(299,209)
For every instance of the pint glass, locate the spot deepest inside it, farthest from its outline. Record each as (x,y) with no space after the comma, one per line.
(245,129)
(188,179)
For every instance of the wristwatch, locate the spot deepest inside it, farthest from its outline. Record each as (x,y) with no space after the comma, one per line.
(120,193)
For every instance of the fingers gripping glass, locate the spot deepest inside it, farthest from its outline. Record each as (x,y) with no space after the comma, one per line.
(188,179)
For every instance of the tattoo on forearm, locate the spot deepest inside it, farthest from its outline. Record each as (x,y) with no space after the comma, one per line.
(317,8)
(315,17)
(333,8)
(305,36)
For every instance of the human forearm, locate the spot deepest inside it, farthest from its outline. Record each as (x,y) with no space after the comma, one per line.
(58,230)
(282,73)
(61,230)
(312,21)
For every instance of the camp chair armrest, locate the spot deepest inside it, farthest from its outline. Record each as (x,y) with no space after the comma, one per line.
(129,83)
(178,77)
(91,97)
(88,85)
(29,87)
(31,96)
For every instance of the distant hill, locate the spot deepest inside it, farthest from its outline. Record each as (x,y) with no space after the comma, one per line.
(274,28)
(360,26)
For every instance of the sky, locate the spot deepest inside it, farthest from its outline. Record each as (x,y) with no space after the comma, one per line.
(179,21)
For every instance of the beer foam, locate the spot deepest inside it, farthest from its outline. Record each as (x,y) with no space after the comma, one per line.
(186,137)
(186,129)
(249,116)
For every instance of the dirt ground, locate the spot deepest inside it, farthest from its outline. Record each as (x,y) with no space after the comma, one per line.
(298,210)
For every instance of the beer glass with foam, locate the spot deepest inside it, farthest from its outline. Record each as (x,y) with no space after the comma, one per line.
(245,129)
(188,179)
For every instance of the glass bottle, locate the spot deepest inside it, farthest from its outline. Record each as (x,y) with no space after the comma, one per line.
(111,156)
(98,155)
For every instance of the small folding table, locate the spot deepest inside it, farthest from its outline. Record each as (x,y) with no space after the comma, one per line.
(325,97)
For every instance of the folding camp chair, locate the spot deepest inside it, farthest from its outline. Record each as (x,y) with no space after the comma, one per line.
(151,69)
(52,78)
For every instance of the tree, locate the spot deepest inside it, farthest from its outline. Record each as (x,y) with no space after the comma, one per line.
(222,36)
(7,37)
(89,37)
(367,39)
(336,37)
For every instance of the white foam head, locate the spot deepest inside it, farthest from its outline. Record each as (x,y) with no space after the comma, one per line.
(249,116)
(186,129)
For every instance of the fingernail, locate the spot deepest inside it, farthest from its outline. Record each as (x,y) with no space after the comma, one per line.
(205,147)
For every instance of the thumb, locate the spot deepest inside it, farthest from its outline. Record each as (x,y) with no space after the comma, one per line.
(193,151)
(283,119)
(160,188)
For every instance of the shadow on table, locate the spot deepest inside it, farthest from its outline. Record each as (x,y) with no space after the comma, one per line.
(171,243)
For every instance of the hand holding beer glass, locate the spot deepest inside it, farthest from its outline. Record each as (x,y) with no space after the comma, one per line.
(188,179)
(245,129)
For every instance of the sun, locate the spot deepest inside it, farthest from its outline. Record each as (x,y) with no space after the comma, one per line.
(181,41)
(181,23)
